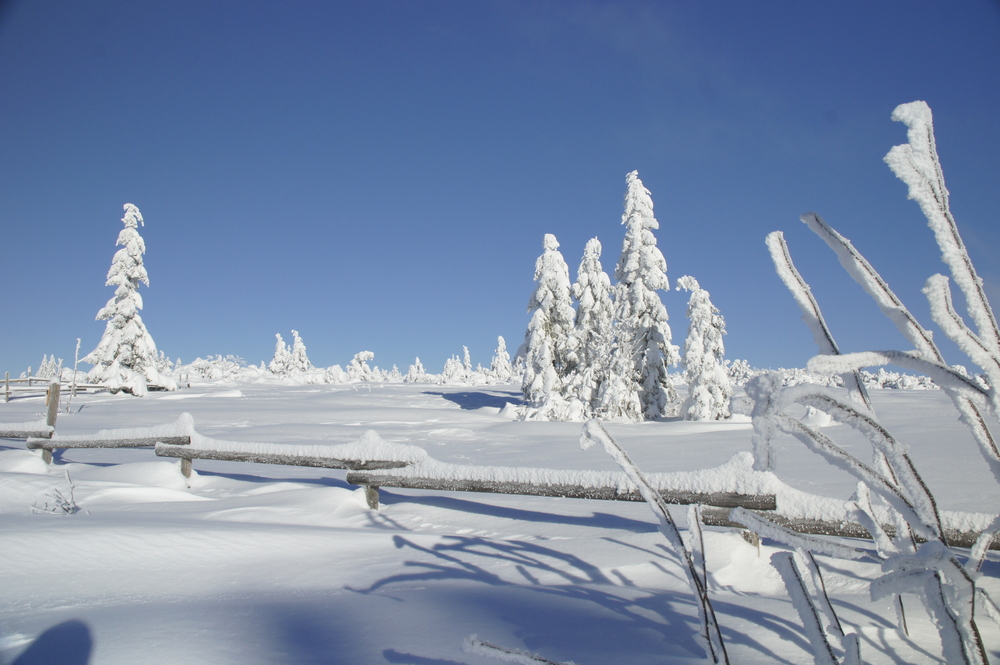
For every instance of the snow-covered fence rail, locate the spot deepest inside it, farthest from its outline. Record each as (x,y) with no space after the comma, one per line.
(39,386)
(368,452)
(40,429)
(556,483)
(177,433)
(955,537)
(725,487)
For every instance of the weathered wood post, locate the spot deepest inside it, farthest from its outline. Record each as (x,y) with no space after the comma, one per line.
(371,496)
(186,467)
(52,402)
(6,386)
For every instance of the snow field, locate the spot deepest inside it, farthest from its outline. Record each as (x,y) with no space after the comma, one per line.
(267,564)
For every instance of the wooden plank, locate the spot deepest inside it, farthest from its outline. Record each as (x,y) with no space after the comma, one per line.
(24,434)
(682,497)
(137,442)
(184,452)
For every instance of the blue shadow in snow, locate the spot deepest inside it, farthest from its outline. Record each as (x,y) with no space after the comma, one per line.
(479,400)
(599,520)
(68,643)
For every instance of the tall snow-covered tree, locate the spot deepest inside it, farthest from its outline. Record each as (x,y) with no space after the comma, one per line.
(299,360)
(641,328)
(500,368)
(592,327)
(282,361)
(709,385)
(546,342)
(125,358)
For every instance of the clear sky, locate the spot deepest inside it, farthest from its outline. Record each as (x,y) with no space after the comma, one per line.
(379,175)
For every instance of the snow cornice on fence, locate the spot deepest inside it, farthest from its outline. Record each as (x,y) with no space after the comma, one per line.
(369,452)
(178,433)
(730,485)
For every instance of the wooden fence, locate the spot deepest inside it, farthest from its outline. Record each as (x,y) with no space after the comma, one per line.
(364,472)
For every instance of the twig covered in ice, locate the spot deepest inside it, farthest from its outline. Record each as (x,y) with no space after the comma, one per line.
(916,163)
(769,529)
(473,645)
(711,635)
(811,313)
(858,267)
(823,653)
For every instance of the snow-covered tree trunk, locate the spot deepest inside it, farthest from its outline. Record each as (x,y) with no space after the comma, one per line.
(641,328)
(709,385)
(125,358)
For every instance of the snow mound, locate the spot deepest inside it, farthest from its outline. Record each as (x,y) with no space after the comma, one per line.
(22,461)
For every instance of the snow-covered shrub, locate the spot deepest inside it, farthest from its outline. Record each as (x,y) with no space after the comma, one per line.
(217,367)
(709,386)
(641,348)
(358,369)
(125,358)
(932,571)
(416,372)
(453,371)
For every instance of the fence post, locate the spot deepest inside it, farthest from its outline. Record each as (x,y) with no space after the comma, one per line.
(6,386)
(186,467)
(371,496)
(52,402)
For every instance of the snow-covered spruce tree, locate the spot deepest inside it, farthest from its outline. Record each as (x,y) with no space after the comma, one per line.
(299,360)
(125,358)
(501,370)
(709,385)
(546,342)
(282,361)
(642,338)
(592,328)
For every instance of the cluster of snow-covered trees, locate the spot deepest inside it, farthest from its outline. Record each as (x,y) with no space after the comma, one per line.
(609,355)
(292,365)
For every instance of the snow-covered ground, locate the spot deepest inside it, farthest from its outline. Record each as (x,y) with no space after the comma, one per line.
(250,563)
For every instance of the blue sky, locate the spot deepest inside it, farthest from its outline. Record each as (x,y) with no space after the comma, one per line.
(379,175)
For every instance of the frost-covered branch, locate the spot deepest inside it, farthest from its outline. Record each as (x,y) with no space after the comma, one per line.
(710,635)
(858,267)
(823,651)
(943,312)
(916,163)
(811,313)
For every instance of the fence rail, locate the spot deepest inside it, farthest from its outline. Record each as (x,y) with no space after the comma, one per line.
(41,436)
